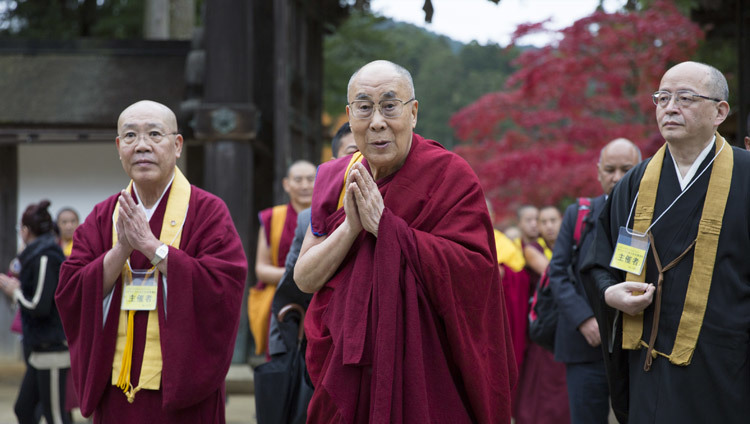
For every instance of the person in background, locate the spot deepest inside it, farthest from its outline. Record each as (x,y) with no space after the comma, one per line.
(44,347)
(541,395)
(275,235)
(577,337)
(343,142)
(515,287)
(67,221)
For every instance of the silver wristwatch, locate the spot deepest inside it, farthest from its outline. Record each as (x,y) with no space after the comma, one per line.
(160,254)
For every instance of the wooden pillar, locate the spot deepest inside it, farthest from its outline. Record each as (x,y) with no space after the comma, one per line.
(225,122)
(156,20)
(281,127)
(8,236)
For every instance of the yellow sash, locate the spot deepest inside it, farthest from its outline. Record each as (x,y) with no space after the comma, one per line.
(259,300)
(704,258)
(356,157)
(547,250)
(171,234)
(508,253)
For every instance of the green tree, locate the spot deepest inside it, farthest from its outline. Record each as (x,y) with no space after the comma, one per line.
(69,19)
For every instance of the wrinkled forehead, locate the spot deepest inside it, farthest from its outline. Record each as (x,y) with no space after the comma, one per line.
(378,84)
(146,115)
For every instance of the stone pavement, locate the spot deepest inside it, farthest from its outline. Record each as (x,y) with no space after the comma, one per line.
(240,406)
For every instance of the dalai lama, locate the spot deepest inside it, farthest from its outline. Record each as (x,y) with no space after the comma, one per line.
(408,322)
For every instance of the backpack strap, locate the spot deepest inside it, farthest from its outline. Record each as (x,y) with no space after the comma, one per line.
(584,207)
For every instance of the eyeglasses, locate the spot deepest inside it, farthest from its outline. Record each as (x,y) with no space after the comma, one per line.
(682,98)
(155,136)
(389,108)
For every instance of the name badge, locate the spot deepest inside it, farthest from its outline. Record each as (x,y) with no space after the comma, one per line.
(139,292)
(630,252)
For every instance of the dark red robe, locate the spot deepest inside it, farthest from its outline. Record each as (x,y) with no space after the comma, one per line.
(205,282)
(412,328)
(287,234)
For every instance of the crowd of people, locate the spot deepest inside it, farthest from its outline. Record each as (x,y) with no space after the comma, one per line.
(411,307)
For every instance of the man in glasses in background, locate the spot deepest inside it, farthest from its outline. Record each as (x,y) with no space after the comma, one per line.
(156,348)
(683,320)
(408,322)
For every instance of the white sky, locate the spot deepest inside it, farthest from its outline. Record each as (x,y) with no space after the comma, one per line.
(482,20)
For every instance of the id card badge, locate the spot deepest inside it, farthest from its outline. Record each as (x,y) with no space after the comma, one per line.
(630,252)
(139,292)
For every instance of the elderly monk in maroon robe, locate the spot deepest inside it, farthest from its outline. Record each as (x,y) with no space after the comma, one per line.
(157,350)
(408,321)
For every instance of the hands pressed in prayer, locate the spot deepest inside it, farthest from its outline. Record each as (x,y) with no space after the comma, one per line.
(350,206)
(133,230)
(368,198)
(630,297)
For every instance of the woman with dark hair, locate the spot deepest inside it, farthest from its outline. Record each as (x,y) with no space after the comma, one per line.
(44,346)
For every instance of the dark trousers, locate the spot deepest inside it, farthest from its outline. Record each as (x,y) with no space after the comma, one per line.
(45,388)
(588,392)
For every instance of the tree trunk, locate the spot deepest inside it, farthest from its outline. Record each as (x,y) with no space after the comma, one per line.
(182,19)
(156,20)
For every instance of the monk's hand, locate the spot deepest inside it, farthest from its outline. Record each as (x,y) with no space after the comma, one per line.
(368,197)
(629,297)
(350,206)
(135,226)
(590,331)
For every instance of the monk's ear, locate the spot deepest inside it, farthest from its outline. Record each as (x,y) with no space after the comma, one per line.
(722,112)
(414,110)
(285,184)
(178,143)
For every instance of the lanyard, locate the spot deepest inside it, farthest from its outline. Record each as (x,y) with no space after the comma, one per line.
(632,232)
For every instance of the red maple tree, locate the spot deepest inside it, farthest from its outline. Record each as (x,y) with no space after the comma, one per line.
(538,141)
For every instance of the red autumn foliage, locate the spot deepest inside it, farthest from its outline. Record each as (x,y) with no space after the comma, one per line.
(538,141)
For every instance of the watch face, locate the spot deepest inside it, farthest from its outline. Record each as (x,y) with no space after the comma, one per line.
(162,251)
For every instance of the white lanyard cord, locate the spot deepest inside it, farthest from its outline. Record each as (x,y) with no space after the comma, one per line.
(632,233)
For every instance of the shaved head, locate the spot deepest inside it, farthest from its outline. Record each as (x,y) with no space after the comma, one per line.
(615,160)
(151,108)
(380,64)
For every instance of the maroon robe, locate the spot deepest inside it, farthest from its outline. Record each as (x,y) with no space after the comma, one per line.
(541,396)
(287,234)
(516,289)
(412,328)
(205,282)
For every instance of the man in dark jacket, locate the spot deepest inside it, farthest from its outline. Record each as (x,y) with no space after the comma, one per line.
(577,336)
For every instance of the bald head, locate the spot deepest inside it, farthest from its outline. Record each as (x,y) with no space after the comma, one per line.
(149,108)
(378,66)
(711,78)
(615,160)
(299,184)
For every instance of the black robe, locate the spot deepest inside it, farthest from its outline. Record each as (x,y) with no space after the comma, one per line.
(715,386)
